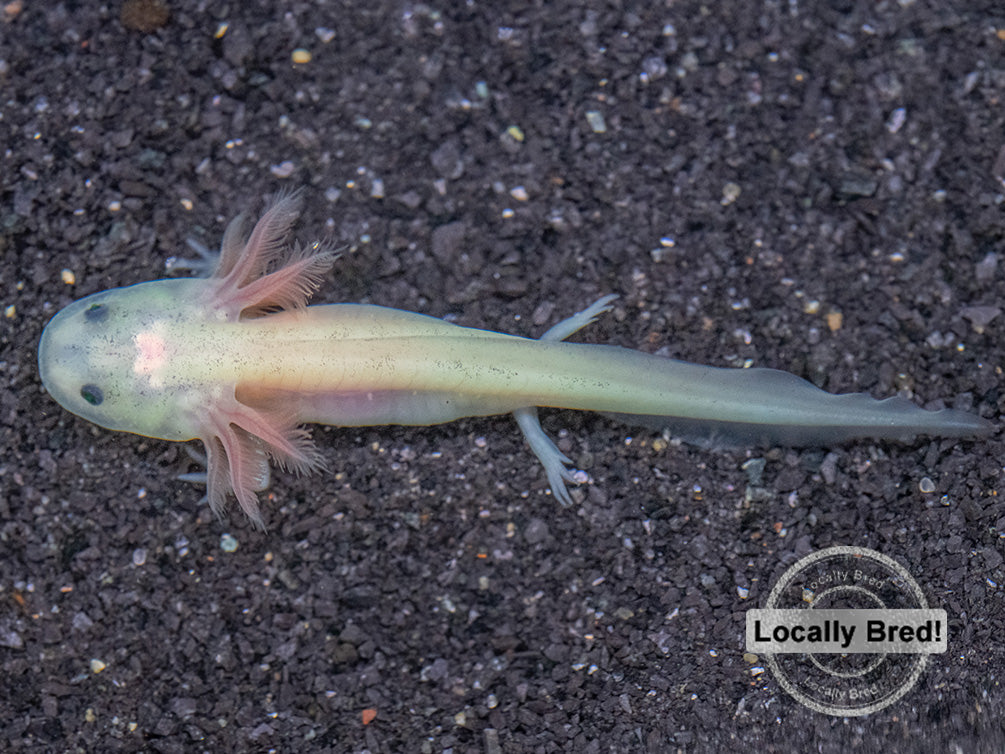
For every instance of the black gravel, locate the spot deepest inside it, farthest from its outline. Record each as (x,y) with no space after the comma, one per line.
(816,187)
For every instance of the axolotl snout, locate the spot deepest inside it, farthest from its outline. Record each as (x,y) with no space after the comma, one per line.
(240,361)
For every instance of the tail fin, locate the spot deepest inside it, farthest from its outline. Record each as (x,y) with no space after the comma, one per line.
(905,421)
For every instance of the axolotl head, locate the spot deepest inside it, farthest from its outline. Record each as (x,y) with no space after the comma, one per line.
(103,358)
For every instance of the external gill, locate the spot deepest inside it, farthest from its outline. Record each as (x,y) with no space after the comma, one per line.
(255,274)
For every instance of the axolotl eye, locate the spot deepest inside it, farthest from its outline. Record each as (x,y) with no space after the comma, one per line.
(92,394)
(96,313)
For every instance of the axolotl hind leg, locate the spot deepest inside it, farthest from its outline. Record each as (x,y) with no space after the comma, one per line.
(553,459)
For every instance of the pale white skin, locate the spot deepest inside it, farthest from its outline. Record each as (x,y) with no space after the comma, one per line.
(239,361)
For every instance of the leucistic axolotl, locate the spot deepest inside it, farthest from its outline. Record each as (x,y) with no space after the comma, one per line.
(238,360)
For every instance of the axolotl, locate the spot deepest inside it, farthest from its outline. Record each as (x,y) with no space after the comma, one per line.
(239,360)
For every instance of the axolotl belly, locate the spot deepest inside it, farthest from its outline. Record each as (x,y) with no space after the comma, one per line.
(240,361)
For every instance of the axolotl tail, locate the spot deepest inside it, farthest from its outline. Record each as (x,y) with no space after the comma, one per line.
(747,406)
(767,406)
(855,416)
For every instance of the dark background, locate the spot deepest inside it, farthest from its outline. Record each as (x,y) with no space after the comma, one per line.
(429,575)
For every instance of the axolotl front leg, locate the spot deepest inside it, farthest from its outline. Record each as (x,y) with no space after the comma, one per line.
(553,459)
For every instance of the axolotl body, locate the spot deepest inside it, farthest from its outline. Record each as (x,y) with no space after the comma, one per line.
(238,360)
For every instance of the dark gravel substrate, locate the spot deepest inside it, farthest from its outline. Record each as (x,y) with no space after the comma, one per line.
(816,187)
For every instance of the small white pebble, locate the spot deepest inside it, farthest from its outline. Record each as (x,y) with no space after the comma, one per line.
(596,121)
(283,170)
(896,120)
(139,556)
(730,193)
(300,56)
(228,543)
(926,485)
(97,665)
(68,277)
